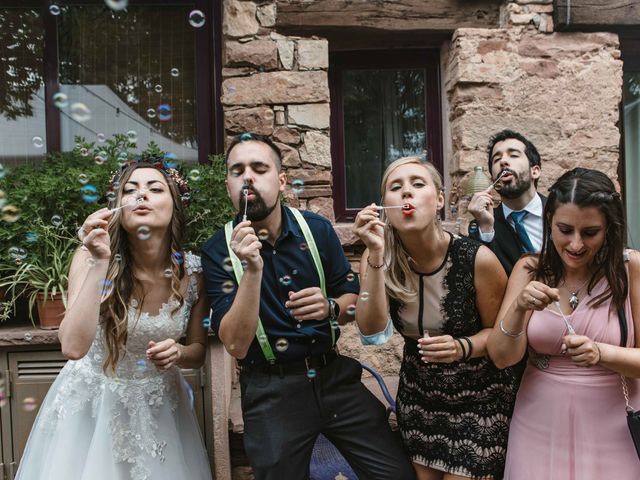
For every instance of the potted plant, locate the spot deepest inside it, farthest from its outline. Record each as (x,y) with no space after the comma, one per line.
(39,276)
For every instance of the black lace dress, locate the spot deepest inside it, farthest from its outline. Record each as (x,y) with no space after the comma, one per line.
(453,417)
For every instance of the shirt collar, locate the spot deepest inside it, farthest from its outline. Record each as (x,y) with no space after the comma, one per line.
(534,207)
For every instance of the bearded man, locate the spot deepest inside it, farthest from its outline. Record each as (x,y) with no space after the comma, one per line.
(514,227)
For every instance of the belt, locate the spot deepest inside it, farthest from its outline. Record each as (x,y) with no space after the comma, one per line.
(312,362)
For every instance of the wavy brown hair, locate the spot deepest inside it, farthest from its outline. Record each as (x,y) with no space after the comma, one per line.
(588,188)
(121,280)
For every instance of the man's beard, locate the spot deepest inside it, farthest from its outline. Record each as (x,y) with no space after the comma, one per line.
(257,209)
(517,186)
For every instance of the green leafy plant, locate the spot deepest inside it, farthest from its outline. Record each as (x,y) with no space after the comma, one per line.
(52,199)
(43,270)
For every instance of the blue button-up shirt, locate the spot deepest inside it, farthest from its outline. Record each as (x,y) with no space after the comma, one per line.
(288,266)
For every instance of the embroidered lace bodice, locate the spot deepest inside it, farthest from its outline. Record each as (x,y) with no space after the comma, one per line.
(137,390)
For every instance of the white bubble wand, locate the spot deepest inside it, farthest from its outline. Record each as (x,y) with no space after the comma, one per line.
(132,202)
(245,192)
(566,322)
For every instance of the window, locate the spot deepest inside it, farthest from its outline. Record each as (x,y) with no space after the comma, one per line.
(93,72)
(631,136)
(384,105)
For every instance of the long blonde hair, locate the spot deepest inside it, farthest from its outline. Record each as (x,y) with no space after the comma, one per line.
(121,279)
(399,283)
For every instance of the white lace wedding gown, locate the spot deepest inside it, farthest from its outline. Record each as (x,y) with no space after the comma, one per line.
(136,425)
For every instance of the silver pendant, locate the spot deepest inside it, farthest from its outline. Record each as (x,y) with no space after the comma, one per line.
(574,301)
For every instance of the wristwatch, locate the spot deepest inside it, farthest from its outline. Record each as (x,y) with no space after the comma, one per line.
(334,309)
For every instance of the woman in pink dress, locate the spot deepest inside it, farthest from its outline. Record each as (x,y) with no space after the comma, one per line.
(576,308)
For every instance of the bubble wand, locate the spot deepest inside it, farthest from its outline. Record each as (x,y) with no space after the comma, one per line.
(500,175)
(130,203)
(566,322)
(245,192)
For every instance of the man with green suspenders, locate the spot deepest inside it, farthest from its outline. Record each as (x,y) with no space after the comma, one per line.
(279,286)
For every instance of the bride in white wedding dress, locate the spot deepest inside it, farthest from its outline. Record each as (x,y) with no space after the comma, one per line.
(119,408)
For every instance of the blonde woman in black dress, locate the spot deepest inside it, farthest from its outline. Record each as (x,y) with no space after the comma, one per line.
(442,293)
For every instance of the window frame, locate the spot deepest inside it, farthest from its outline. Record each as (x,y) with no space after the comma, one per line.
(423,58)
(208,87)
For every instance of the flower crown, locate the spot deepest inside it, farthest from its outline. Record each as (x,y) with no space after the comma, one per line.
(160,164)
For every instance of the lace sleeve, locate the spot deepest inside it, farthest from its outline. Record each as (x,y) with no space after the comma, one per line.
(192,263)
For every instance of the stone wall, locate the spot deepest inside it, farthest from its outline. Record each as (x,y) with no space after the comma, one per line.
(277,85)
(561,90)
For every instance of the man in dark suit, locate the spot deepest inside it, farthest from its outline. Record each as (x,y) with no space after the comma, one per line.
(515,226)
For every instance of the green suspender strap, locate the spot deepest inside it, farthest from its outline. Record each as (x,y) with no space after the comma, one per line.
(263,341)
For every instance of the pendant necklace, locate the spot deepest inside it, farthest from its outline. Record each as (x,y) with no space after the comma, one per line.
(573,298)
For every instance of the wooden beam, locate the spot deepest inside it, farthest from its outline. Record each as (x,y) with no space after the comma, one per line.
(612,14)
(440,16)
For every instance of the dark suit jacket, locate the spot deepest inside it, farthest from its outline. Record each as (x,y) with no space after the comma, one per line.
(505,244)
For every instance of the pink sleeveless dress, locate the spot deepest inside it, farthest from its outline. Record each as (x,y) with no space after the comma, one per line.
(569,423)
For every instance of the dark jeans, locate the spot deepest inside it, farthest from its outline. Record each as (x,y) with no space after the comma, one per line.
(283,415)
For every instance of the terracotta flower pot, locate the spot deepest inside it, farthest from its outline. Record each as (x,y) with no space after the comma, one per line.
(51,311)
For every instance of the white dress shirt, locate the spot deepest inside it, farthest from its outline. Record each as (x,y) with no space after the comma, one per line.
(532,222)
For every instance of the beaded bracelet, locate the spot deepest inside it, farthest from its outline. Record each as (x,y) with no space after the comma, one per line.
(375,266)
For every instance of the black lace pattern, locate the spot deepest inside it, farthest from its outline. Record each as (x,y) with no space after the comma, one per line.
(455,417)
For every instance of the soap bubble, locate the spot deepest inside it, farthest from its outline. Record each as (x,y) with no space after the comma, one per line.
(297,186)
(144,232)
(228,286)
(227,264)
(151,112)
(177,256)
(194,175)
(311,373)
(132,136)
(364,296)
(89,193)
(116,5)
(31,237)
(334,324)
(158,88)
(206,322)
(117,258)
(37,142)
(111,196)
(54,9)
(175,72)
(351,310)
(106,287)
(164,112)
(282,344)
(100,158)
(56,220)
(263,234)
(28,336)
(80,112)
(285,280)
(3,171)
(29,404)
(101,137)
(17,254)
(196,18)
(60,99)
(304,247)
(141,365)
(351,277)
(84,151)
(168,273)
(83,178)
(10,213)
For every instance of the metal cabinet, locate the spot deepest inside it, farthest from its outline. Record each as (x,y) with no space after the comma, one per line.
(27,377)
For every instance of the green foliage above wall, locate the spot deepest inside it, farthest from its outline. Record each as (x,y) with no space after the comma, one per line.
(53,198)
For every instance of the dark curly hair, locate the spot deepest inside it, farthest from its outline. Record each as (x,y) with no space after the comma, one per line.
(588,188)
